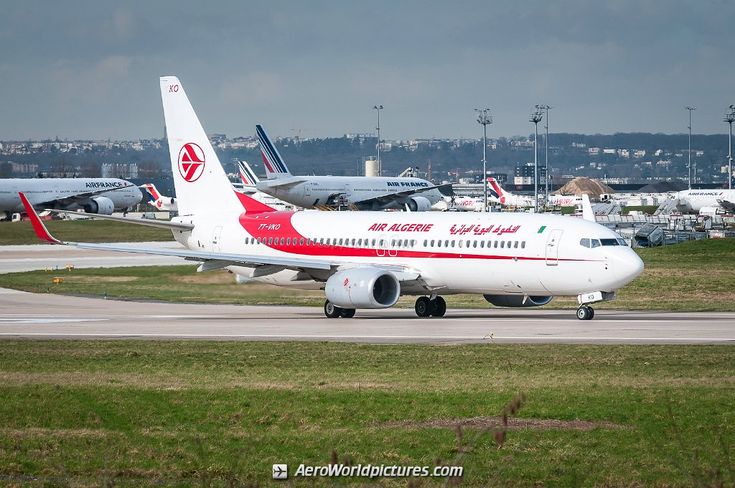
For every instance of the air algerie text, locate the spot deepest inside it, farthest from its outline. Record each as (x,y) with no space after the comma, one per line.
(401,228)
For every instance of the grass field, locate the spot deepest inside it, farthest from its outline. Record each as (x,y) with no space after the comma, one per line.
(131,413)
(697,275)
(82,230)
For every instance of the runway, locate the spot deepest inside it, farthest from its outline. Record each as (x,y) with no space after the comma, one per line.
(28,315)
(42,256)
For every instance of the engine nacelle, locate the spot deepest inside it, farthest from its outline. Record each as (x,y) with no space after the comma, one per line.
(418,204)
(517,300)
(363,288)
(100,205)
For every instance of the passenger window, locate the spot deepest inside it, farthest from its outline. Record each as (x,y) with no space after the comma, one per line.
(459,243)
(452,242)
(424,242)
(474,243)
(482,244)
(446,242)
(373,242)
(288,241)
(438,243)
(515,244)
(495,244)
(502,244)
(523,244)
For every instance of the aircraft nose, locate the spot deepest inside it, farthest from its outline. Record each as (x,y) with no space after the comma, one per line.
(628,266)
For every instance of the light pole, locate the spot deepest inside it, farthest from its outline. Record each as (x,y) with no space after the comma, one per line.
(689,163)
(484,118)
(535,118)
(378,108)
(546,108)
(729,118)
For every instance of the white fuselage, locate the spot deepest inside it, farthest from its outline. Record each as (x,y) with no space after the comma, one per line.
(695,200)
(314,191)
(54,190)
(494,253)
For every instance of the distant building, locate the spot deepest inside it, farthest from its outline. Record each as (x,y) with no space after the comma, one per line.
(593,151)
(524,174)
(120,170)
(20,169)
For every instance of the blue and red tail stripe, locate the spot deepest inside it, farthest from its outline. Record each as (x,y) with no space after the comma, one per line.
(271,158)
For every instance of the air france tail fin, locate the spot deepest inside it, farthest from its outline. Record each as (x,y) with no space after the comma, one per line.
(202,187)
(497,189)
(247,175)
(152,191)
(272,160)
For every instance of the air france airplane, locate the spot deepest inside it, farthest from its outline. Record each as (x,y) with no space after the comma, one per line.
(367,260)
(361,192)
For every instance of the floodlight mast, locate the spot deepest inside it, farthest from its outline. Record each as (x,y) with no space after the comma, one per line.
(689,152)
(378,108)
(729,118)
(535,118)
(546,109)
(484,118)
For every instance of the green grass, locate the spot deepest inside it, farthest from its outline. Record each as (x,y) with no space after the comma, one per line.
(646,209)
(82,230)
(133,413)
(693,276)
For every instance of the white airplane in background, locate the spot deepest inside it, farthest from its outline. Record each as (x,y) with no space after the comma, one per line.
(695,200)
(250,182)
(369,259)
(161,202)
(459,203)
(93,195)
(362,192)
(507,198)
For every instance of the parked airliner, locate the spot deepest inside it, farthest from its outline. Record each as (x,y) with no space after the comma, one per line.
(93,195)
(695,200)
(161,202)
(369,259)
(361,192)
(513,200)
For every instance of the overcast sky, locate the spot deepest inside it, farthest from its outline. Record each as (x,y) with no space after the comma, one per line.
(90,69)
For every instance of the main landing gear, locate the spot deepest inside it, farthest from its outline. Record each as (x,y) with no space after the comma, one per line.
(426,307)
(585,312)
(332,311)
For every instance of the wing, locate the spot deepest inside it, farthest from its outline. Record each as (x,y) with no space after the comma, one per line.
(215,260)
(77,197)
(399,196)
(162,224)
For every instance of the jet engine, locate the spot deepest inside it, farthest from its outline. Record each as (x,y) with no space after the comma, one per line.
(363,288)
(517,300)
(418,204)
(100,205)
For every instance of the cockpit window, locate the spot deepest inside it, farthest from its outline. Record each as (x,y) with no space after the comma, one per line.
(609,242)
(585,242)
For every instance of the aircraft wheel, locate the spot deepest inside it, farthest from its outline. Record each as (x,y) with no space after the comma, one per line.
(331,310)
(439,307)
(347,313)
(423,306)
(585,313)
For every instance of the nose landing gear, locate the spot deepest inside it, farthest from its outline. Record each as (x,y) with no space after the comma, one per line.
(427,307)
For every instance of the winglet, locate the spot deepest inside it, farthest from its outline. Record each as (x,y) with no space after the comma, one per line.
(38,226)
(587,213)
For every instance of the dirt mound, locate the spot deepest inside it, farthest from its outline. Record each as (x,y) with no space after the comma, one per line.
(579,186)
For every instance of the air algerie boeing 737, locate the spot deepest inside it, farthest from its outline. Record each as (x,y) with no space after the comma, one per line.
(369,259)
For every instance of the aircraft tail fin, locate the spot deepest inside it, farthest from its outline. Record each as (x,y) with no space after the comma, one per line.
(497,188)
(202,187)
(272,160)
(152,191)
(247,175)
(587,213)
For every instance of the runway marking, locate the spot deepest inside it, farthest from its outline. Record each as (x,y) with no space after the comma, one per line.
(369,337)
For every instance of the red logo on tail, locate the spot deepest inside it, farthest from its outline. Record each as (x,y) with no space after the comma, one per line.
(191,162)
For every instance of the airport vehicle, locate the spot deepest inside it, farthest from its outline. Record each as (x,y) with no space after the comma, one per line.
(93,195)
(695,200)
(250,181)
(368,259)
(360,192)
(159,201)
